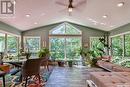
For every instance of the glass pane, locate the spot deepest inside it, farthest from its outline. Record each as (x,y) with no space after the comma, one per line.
(96,45)
(117,48)
(71,30)
(65,28)
(12,42)
(32,44)
(72,46)
(2,42)
(57,48)
(127,45)
(59,30)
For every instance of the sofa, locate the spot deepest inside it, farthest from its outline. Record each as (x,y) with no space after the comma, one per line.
(111,79)
(118,76)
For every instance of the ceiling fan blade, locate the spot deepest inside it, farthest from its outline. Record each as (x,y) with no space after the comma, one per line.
(80,3)
(60,3)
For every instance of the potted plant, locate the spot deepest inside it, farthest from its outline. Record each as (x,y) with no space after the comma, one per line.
(70,63)
(90,56)
(85,55)
(60,62)
(44,52)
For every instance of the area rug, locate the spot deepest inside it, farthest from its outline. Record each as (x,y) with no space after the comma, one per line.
(14,80)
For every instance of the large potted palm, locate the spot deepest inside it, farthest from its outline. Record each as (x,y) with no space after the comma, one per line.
(44,53)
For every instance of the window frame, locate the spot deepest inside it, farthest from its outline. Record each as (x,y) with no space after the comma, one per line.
(65,36)
(92,38)
(123,42)
(64,24)
(17,39)
(28,37)
(4,41)
(6,46)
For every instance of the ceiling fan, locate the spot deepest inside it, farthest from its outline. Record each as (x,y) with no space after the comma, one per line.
(70,6)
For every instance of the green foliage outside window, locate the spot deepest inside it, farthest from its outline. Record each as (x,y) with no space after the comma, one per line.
(127,45)
(33,44)
(57,48)
(117,48)
(12,44)
(2,42)
(65,45)
(96,46)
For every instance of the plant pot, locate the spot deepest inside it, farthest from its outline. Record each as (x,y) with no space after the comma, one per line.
(70,63)
(93,64)
(60,63)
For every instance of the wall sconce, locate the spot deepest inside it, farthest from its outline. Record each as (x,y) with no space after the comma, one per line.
(44,43)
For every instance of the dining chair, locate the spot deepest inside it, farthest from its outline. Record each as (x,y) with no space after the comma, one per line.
(44,63)
(31,68)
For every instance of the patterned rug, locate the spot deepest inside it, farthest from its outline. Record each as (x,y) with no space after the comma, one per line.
(14,80)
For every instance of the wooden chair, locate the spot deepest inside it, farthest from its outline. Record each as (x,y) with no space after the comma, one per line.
(31,68)
(45,62)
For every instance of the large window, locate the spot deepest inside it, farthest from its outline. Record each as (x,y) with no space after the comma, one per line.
(32,44)
(12,44)
(95,43)
(117,46)
(65,41)
(9,45)
(127,45)
(96,46)
(120,49)
(2,42)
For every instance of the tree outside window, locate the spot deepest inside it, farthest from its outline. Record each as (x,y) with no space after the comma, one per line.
(127,45)
(65,41)
(12,44)
(2,42)
(117,46)
(32,44)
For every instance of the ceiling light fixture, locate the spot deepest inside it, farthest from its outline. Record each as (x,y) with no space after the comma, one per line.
(70,9)
(13,1)
(42,14)
(95,22)
(27,15)
(103,23)
(104,16)
(111,26)
(120,4)
(35,23)
(90,19)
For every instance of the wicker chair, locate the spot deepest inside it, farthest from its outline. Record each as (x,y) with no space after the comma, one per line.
(31,68)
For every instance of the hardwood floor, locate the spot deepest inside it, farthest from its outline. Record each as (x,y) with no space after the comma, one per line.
(70,77)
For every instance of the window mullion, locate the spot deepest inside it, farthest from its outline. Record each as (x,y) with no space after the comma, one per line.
(123,45)
(65,48)
(5,43)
